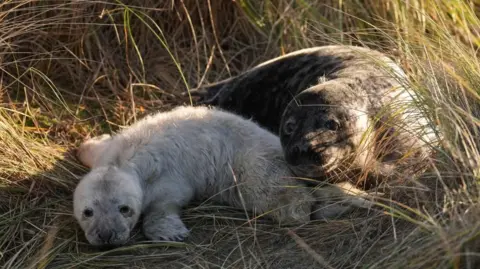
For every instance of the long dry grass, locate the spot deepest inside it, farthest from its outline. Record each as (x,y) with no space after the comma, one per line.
(75,68)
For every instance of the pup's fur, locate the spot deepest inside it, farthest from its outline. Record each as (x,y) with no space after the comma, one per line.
(341,112)
(159,164)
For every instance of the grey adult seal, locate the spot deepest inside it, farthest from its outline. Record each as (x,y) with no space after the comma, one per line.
(342,112)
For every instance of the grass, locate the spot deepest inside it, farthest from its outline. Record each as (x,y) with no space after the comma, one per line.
(73,69)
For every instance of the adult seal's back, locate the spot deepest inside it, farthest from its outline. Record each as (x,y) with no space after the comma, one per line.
(341,112)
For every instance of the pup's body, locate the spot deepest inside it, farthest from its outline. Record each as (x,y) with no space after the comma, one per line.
(323,102)
(159,164)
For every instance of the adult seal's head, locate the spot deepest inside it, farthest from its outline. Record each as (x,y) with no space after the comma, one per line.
(107,204)
(321,128)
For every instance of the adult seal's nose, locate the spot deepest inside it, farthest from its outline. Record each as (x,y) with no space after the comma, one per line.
(293,155)
(299,155)
(105,235)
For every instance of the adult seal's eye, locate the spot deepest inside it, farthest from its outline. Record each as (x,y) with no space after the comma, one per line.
(87,213)
(124,209)
(332,125)
(289,126)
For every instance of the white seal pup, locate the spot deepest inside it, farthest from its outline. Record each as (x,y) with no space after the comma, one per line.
(162,162)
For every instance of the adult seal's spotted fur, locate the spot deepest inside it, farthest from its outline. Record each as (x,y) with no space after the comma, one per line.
(341,112)
(159,164)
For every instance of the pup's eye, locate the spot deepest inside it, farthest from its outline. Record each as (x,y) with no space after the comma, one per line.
(87,213)
(289,126)
(332,125)
(124,209)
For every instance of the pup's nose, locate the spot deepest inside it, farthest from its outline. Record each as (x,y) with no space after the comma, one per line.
(105,235)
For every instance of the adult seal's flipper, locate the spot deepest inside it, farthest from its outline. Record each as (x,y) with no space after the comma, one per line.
(208,94)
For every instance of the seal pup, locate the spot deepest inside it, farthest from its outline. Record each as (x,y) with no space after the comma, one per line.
(342,113)
(159,164)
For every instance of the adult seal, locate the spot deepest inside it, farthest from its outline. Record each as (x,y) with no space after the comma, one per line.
(342,113)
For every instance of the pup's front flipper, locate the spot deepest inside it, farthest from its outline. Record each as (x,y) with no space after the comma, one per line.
(88,152)
(161,225)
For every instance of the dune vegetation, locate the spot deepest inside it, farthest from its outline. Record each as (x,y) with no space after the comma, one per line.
(70,69)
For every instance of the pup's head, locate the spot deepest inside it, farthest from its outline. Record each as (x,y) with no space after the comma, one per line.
(107,205)
(321,127)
